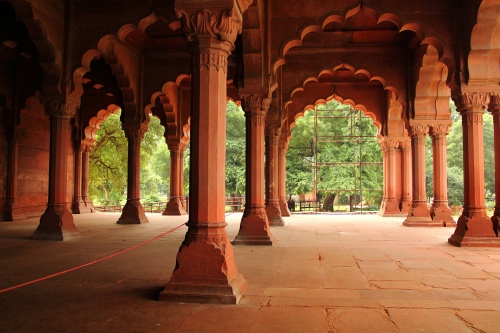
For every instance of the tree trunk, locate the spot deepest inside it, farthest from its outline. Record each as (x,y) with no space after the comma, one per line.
(328,203)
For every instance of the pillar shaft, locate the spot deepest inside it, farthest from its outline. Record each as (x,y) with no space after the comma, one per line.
(56,223)
(85,178)
(78,204)
(282,150)
(272,200)
(11,177)
(474,228)
(495,111)
(406,175)
(133,211)
(205,270)
(419,214)
(440,211)
(175,204)
(254,228)
(390,205)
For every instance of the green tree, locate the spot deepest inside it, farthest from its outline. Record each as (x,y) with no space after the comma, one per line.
(235,150)
(339,149)
(108,162)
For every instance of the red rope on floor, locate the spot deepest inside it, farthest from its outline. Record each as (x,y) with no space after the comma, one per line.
(90,263)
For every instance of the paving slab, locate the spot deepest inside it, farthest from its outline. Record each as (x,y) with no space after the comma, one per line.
(322,273)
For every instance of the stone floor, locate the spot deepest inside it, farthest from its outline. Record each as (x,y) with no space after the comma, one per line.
(325,273)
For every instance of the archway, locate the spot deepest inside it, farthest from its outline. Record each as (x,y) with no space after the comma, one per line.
(340,152)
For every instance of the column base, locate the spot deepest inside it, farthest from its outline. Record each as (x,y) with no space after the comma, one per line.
(254,228)
(420,216)
(89,206)
(284,208)
(405,206)
(442,214)
(133,213)
(174,207)
(79,207)
(56,224)
(389,207)
(274,215)
(205,271)
(477,231)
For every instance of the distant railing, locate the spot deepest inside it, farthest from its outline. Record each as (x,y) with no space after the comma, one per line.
(235,204)
(309,205)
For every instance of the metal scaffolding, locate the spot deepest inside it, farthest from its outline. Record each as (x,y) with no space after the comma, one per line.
(355,137)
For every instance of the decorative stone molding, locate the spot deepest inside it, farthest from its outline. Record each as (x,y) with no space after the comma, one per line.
(466,101)
(389,143)
(213,58)
(440,130)
(405,144)
(283,146)
(419,130)
(255,103)
(60,108)
(220,23)
(273,132)
(176,146)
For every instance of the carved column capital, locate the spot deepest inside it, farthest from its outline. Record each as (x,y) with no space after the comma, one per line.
(494,106)
(405,144)
(468,101)
(419,130)
(134,133)
(255,103)
(283,145)
(388,143)
(221,21)
(60,108)
(273,133)
(439,130)
(176,146)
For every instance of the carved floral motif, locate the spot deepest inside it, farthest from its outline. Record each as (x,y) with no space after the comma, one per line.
(223,24)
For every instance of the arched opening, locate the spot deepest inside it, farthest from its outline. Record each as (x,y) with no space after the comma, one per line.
(334,161)
(108,162)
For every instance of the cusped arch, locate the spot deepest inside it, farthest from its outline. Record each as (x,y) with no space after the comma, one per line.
(321,101)
(45,50)
(353,70)
(166,106)
(95,122)
(359,15)
(432,93)
(484,57)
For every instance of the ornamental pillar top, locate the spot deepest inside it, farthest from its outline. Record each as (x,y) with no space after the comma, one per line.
(258,104)
(218,19)
(472,101)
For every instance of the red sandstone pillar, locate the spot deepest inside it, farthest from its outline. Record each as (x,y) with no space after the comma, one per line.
(13,139)
(56,222)
(419,215)
(254,228)
(494,108)
(133,211)
(181,180)
(390,205)
(282,150)
(474,228)
(175,204)
(85,178)
(440,211)
(205,269)
(272,201)
(78,205)
(405,146)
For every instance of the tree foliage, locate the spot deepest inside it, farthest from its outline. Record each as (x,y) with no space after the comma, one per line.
(109,159)
(235,150)
(346,152)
